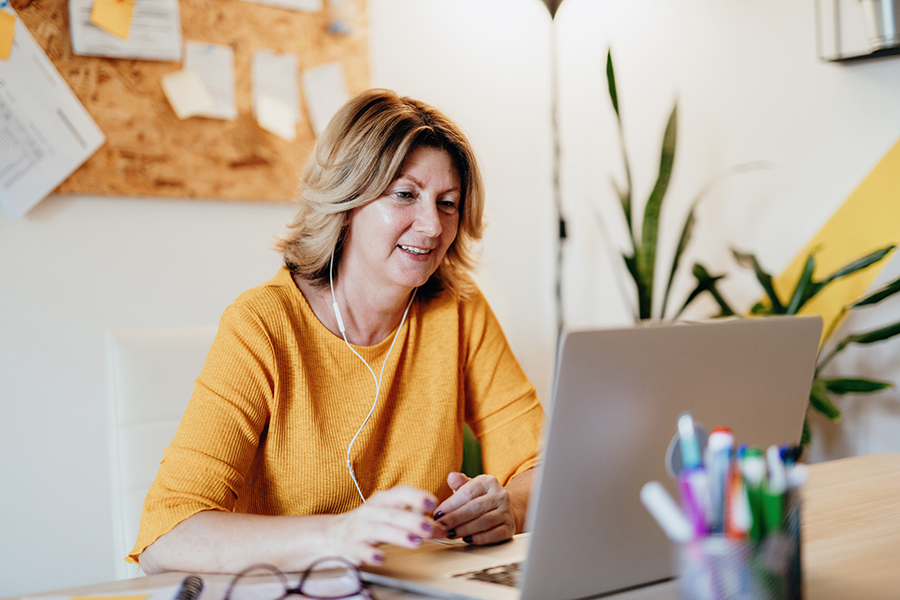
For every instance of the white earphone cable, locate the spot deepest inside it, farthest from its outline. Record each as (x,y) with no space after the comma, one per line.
(378,379)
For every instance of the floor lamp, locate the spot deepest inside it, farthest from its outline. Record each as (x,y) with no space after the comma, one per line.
(553,6)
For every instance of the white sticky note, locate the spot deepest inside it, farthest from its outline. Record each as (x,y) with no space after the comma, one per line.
(214,63)
(154,33)
(187,94)
(276,116)
(325,90)
(275,74)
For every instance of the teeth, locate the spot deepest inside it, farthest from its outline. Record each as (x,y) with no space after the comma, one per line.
(413,250)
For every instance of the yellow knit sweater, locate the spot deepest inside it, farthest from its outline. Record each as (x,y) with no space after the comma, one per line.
(280,397)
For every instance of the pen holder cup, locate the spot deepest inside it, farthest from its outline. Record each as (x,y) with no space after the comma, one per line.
(719,568)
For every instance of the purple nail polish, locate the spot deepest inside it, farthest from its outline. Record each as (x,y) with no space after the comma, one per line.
(451,534)
(468,539)
(429,504)
(414,539)
(438,515)
(427,527)
(378,559)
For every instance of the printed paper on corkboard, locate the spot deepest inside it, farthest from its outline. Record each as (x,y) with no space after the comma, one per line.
(149,151)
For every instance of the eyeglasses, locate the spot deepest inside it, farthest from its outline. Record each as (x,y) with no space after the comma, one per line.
(325,579)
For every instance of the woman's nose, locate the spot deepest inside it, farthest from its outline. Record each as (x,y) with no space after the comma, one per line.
(428,220)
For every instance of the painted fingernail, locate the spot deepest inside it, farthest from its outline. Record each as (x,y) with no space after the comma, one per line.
(429,504)
(378,559)
(468,539)
(414,539)
(438,515)
(451,534)
(426,526)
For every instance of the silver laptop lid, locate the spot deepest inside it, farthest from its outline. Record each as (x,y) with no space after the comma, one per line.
(616,401)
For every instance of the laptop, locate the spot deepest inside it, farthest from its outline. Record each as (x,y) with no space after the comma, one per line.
(617,396)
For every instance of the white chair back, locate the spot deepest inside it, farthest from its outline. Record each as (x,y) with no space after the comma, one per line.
(151,375)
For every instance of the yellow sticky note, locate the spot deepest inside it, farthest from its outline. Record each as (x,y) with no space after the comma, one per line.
(7,29)
(141,597)
(867,221)
(113,15)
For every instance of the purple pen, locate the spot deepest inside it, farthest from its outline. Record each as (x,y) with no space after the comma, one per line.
(694,490)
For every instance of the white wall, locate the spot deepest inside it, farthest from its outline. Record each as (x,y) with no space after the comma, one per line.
(749,88)
(74,268)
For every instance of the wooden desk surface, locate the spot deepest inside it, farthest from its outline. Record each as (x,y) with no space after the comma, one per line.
(851,539)
(851,529)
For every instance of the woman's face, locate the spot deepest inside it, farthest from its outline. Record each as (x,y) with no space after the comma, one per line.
(399,239)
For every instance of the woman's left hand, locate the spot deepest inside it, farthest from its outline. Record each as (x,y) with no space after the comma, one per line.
(479,511)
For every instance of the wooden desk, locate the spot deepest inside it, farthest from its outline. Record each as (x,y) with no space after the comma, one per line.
(851,529)
(851,539)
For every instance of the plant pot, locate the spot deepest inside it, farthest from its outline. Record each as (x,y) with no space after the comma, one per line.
(882,22)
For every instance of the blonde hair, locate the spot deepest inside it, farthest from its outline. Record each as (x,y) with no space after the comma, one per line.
(356,158)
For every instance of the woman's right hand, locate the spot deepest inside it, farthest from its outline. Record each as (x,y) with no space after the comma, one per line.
(400,516)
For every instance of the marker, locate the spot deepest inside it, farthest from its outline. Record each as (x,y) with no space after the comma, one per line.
(719,447)
(666,512)
(753,468)
(694,490)
(773,491)
(738,516)
(688,444)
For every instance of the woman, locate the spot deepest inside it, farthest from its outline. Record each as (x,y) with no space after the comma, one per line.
(328,418)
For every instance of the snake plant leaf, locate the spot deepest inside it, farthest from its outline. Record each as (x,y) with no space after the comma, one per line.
(760,309)
(706,283)
(877,335)
(806,436)
(683,241)
(646,255)
(868,337)
(858,264)
(623,193)
(819,400)
(854,385)
(848,269)
(611,82)
(748,261)
(885,291)
(799,295)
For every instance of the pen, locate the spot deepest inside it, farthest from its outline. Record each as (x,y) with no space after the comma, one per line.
(687,443)
(717,459)
(753,468)
(190,588)
(666,512)
(773,491)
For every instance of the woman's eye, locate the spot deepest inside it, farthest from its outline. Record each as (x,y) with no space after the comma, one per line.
(404,195)
(448,207)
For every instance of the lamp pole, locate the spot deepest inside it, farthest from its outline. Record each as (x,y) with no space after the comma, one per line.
(553,6)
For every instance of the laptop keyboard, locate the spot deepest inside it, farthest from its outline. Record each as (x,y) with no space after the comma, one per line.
(508,574)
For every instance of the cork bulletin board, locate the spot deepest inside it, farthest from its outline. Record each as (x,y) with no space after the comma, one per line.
(149,151)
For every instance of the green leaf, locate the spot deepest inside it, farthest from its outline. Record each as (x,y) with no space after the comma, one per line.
(885,291)
(706,283)
(748,261)
(683,241)
(849,385)
(646,255)
(611,82)
(858,264)
(799,296)
(868,337)
(806,436)
(819,400)
(877,335)
(760,309)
